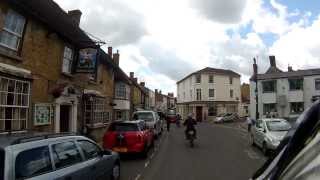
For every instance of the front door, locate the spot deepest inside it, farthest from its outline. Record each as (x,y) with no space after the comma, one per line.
(199,113)
(65,118)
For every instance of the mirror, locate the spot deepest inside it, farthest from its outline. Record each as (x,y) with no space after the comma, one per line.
(105,152)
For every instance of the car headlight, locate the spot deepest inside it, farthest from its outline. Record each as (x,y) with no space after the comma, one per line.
(274,140)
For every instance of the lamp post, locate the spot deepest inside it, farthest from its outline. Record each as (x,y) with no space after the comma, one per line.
(255,71)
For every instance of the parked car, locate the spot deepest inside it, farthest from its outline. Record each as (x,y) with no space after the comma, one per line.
(297,156)
(171,116)
(152,120)
(55,156)
(129,137)
(226,117)
(268,133)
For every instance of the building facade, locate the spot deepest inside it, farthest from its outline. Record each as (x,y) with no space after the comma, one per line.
(208,92)
(245,100)
(284,94)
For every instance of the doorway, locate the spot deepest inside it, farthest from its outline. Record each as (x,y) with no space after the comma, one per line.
(65,116)
(199,113)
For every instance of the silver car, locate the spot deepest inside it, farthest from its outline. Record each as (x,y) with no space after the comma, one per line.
(268,133)
(152,120)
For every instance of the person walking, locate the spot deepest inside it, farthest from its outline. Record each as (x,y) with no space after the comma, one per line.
(249,123)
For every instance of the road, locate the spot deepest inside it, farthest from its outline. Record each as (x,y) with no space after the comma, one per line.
(220,152)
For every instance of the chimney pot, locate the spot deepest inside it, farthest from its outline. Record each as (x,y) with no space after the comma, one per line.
(142,84)
(272,61)
(135,80)
(131,74)
(116,58)
(110,51)
(75,16)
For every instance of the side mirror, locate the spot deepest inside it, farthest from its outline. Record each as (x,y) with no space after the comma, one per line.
(105,152)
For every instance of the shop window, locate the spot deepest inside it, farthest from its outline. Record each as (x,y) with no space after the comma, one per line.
(14,104)
(296,107)
(269,108)
(96,110)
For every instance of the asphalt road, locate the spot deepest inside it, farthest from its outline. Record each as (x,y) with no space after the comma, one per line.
(220,152)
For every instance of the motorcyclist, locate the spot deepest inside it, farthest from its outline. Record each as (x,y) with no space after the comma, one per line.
(190,124)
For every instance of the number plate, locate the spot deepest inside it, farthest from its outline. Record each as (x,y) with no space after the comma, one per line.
(119,149)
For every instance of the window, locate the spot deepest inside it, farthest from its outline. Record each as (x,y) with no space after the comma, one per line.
(231,93)
(124,127)
(198,94)
(121,91)
(198,78)
(65,154)
(212,110)
(295,84)
(96,110)
(317,84)
(14,104)
(269,86)
(11,34)
(268,108)
(210,78)
(211,92)
(67,60)
(230,80)
(90,150)
(296,107)
(191,94)
(33,162)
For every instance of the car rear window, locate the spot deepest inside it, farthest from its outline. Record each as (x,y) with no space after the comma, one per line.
(124,127)
(171,112)
(2,164)
(147,116)
(33,162)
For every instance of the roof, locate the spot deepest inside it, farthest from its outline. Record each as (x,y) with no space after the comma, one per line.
(121,76)
(289,74)
(54,17)
(210,70)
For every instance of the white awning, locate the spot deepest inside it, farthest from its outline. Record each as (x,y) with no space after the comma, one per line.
(13,70)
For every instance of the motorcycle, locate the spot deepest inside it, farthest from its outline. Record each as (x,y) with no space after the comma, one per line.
(191,136)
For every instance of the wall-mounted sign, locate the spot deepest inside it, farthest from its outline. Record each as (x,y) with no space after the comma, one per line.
(87,60)
(43,114)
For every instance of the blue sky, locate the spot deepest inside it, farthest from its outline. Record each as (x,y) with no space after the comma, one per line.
(162,43)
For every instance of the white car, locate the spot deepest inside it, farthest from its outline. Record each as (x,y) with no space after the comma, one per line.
(152,120)
(268,133)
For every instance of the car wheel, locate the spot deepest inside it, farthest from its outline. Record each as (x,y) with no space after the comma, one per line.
(264,148)
(116,172)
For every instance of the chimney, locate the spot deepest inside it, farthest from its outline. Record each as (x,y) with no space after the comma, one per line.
(75,16)
(272,61)
(116,58)
(135,80)
(142,84)
(156,91)
(290,69)
(160,92)
(255,67)
(132,75)
(110,51)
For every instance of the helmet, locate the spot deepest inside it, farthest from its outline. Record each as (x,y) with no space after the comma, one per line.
(190,115)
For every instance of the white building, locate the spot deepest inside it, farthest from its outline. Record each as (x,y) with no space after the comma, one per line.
(152,99)
(284,94)
(208,92)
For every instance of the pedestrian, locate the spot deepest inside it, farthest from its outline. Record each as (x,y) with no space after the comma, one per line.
(168,123)
(178,120)
(249,123)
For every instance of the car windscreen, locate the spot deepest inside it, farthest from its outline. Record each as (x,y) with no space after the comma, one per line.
(146,116)
(171,112)
(2,164)
(278,125)
(124,127)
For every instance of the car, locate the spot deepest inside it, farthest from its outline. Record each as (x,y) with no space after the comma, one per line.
(171,116)
(267,133)
(297,156)
(152,120)
(226,117)
(129,137)
(55,156)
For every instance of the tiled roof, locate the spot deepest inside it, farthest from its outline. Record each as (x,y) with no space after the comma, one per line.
(56,19)
(213,71)
(298,73)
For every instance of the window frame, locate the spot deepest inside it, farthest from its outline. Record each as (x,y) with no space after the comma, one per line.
(296,103)
(211,79)
(121,91)
(293,84)
(317,87)
(198,78)
(231,93)
(198,95)
(230,80)
(95,111)
(265,112)
(212,94)
(69,59)
(212,110)
(263,83)
(14,34)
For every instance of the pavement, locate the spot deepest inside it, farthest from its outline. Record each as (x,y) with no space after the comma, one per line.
(221,152)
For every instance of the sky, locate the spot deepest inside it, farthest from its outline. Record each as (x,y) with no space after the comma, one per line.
(162,41)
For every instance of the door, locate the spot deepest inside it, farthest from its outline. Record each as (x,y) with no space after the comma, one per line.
(199,113)
(65,118)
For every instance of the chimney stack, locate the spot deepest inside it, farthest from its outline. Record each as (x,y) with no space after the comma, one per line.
(255,67)
(272,61)
(116,58)
(110,51)
(135,80)
(290,69)
(132,75)
(156,91)
(142,84)
(160,92)
(75,16)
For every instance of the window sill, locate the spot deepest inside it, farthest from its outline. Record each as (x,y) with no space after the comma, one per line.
(10,56)
(67,74)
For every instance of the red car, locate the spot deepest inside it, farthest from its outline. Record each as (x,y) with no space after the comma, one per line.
(128,137)
(172,116)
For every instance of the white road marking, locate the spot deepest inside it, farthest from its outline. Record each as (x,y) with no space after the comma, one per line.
(147,164)
(137,177)
(152,155)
